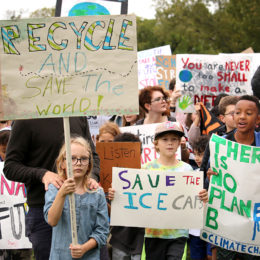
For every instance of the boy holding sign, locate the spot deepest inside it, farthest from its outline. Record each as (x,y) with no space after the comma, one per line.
(246,116)
(168,243)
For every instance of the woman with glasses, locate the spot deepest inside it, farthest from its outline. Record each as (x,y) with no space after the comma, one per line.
(155,101)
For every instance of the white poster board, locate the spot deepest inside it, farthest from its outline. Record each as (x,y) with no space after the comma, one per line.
(147,65)
(202,77)
(156,199)
(12,214)
(68,66)
(232,214)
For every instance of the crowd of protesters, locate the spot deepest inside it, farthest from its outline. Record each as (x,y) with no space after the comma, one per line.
(35,155)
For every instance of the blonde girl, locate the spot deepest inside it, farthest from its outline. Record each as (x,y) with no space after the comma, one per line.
(91,209)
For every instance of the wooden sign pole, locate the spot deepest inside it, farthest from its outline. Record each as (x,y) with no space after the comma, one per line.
(66,124)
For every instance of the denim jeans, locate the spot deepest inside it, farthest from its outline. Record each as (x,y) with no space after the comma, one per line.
(39,233)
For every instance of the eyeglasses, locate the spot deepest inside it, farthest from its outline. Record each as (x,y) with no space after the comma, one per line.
(83,160)
(160,99)
(230,113)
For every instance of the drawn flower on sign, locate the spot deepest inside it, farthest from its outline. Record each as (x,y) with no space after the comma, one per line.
(21,68)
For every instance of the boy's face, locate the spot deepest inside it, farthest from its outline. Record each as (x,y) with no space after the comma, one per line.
(246,116)
(168,144)
(198,157)
(228,118)
(105,137)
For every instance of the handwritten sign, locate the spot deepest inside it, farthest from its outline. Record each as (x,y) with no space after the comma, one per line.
(117,154)
(166,70)
(156,199)
(147,65)
(12,214)
(146,135)
(202,77)
(95,122)
(71,66)
(232,214)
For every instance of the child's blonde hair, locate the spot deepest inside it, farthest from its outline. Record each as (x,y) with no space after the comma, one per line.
(109,127)
(62,155)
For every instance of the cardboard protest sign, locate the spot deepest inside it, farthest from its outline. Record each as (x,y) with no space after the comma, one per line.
(71,66)
(12,214)
(232,214)
(156,199)
(202,77)
(147,65)
(248,50)
(117,154)
(146,135)
(166,69)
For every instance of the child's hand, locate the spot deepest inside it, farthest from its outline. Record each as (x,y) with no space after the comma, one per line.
(77,251)
(203,195)
(68,187)
(210,172)
(111,193)
(175,95)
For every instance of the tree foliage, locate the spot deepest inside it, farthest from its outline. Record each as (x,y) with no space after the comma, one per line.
(43,12)
(202,26)
(14,14)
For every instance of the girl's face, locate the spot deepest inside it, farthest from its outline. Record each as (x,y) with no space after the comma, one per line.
(130,118)
(106,137)
(168,144)
(80,160)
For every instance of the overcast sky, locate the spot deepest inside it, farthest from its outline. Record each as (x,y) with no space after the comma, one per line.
(143,8)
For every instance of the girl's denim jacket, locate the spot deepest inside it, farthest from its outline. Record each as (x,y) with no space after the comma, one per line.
(92,222)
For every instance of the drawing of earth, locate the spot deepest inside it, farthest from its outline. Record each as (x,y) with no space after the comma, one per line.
(87,8)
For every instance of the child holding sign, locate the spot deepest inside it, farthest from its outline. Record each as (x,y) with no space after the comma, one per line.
(168,243)
(91,208)
(246,116)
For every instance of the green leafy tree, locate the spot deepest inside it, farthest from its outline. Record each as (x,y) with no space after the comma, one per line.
(13,14)
(186,25)
(146,37)
(202,26)
(43,12)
